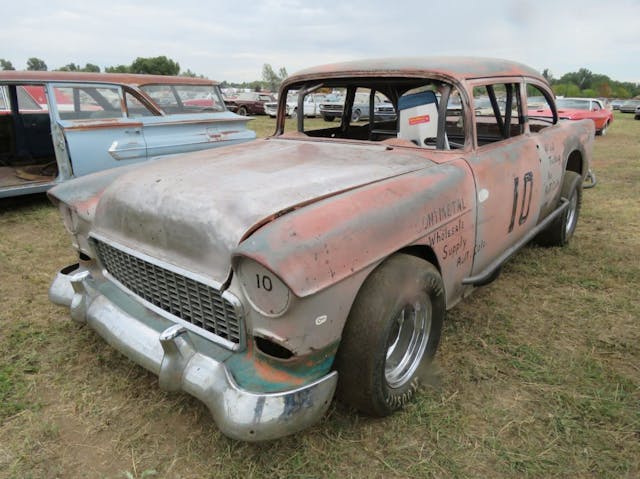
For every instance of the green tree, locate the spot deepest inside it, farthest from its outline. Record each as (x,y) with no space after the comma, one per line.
(546,73)
(155,65)
(118,69)
(566,89)
(189,73)
(36,64)
(90,67)
(6,64)
(271,79)
(70,67)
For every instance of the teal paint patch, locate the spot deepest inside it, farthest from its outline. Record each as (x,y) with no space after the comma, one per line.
(256,372)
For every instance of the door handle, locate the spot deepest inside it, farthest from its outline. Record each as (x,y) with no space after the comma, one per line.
(134,131)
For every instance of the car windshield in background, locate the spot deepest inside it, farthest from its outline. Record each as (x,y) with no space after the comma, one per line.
(183,99)
(573,104)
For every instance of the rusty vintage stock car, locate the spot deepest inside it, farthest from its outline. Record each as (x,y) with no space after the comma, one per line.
(266,277)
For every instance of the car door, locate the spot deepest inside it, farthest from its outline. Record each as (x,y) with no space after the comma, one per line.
(91,127)
(507,170)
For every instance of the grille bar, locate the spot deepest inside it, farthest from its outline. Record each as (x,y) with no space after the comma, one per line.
(190,300)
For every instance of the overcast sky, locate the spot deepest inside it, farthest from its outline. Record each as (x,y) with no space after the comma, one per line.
(231,40)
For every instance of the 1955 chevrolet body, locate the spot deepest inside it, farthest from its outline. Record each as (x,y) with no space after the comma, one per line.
(266,277)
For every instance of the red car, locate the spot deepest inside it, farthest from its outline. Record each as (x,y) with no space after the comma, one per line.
(580,109)
(249,103)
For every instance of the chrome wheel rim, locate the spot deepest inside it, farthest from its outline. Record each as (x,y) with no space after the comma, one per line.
(571,213)
(407,342)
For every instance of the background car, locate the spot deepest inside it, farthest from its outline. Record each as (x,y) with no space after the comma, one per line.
(55,126)
(637,115)
(629,106)
(383,108)
(615,104)
(580,109)
(249,103)
(311,105)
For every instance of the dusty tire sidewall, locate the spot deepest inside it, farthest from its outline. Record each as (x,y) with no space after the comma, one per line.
(382,297)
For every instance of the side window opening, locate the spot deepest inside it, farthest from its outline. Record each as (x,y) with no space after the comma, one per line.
(497,112)
(185,99)
(135,108)
(419,113)
(88,102)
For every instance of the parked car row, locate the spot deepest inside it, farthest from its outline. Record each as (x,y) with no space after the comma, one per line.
(310,105)
(383,109)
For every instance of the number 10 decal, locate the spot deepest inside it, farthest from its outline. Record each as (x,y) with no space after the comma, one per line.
(526,198)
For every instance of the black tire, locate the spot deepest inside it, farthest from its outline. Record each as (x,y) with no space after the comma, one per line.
(355,116)
(328,117)
(383,356)
(603,131)
(242,110)
(294,113)
(560,231)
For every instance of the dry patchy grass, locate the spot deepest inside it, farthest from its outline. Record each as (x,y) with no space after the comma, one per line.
(539,373)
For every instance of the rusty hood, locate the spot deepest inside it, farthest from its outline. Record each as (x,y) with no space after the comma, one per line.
(193,210)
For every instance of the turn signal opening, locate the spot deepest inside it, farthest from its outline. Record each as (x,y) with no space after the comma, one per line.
(85,257)
(272,349)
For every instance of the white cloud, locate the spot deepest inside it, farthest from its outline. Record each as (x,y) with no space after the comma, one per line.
(229,40)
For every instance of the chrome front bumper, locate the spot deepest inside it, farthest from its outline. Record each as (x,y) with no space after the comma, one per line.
(172,355)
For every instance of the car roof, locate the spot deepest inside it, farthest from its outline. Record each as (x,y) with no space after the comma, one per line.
(121,78)
(460,68)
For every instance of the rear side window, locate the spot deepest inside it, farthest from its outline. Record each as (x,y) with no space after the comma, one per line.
(88,102)
(183,99)
(539,109)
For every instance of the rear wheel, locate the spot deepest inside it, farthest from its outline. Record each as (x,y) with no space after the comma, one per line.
(391,335)
(356,116)
(560,231)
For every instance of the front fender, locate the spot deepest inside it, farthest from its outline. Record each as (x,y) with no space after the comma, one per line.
(323,243)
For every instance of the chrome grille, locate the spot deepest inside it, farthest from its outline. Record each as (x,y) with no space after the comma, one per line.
(192,301)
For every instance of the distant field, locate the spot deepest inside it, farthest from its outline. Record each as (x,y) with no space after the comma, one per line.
(539,372)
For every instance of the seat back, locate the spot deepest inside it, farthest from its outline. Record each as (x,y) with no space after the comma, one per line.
(418,121)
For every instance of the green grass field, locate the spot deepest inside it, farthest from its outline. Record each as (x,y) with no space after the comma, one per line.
(538,373)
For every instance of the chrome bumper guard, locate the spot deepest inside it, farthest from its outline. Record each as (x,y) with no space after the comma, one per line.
(239,414)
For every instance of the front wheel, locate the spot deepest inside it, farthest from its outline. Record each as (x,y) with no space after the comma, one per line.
(355,116)
(560,231)
(328,117)
(242,111)
(603,130)
(391,335)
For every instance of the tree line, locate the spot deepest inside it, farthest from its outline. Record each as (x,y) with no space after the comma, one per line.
(582,83)
(158,66)
(585,83)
